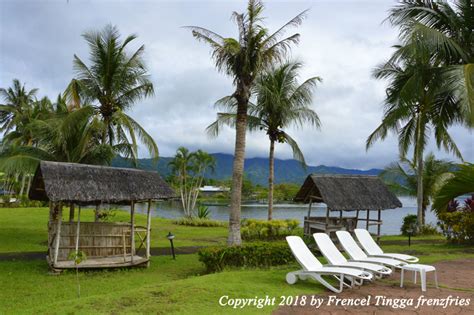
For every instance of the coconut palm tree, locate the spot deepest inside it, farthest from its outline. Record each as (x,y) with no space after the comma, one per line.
(243,58)
(459,184)
(402,178)
(281,102)
(417,102)
(447,27)
(113,82)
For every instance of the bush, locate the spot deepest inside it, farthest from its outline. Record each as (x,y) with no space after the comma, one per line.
(457,226)
(199,222)
(253,229)
(410,221)
(247,255)
(203,212)
(428,229)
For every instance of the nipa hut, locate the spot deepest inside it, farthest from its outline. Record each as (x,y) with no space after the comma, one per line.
(345,193)
(106,244)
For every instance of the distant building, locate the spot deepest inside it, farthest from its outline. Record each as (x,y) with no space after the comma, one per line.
(213,190)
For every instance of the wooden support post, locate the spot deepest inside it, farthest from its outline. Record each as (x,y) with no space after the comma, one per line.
(379,224)
(58,234)
(132,230)
(327,221)
(96,212)
(307,226)
(78,228)
(148,230)
(124,247)
(367,223)
(71,212)
(357,218)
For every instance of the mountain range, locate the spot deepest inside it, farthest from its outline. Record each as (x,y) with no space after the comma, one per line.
(256,169)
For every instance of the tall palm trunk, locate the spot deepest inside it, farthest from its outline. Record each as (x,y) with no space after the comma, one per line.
(419,161)
(238,170)
(271,167)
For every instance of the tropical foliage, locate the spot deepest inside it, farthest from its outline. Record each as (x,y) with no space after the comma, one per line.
(243,58)
(189,169)
(402,178)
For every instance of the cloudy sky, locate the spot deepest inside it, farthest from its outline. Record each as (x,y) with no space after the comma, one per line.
(341,41)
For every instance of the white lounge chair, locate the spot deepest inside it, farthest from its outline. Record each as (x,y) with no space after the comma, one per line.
(356,253)
(374,250)
(312,268)
(336,259)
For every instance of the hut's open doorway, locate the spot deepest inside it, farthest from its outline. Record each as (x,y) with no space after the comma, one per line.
(345,196)
(105,244)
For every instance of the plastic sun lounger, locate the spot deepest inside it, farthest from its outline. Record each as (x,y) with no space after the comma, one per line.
(336,259)
(312,268)
(374,250)
(356,253)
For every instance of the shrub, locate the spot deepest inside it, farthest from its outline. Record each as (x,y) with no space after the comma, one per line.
(409,222)
(203,212)
(458,226)
(247,255)
(253,229)
(199,222)
(428,229)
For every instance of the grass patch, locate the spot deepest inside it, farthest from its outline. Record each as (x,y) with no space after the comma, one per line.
(26,230)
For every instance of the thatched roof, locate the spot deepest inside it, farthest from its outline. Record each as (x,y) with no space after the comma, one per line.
(347,192)
(90,184)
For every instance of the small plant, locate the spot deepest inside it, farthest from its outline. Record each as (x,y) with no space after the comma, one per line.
(78,257)
(203,212)
(409,223)
(253,229)
(428,229)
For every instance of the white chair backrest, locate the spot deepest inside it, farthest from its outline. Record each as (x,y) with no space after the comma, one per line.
(350,245)
(367,242)
(302,253)
(328,249)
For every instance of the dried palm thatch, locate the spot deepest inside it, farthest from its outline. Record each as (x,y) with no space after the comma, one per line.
(347,192)
(90,184)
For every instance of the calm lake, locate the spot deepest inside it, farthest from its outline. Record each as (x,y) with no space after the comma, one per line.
(392,219)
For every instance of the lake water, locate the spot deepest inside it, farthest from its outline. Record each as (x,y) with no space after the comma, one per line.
(392,219)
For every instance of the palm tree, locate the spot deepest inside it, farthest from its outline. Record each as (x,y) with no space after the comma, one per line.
(402,178)
(243,58)
(280,103)
(417,101)
(447,27)
(181,166)
(459,184)
(115,80)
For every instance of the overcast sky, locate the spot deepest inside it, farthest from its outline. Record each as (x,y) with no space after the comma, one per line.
(341,41)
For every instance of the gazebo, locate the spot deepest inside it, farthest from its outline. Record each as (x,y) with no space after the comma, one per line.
(345,193)
(106,244)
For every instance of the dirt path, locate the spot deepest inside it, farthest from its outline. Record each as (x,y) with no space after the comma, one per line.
(454,277)
(155,251)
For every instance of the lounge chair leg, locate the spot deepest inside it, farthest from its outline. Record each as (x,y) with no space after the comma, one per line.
(291,278)
(401,277)
(414,277)
(423,280)
(327,284)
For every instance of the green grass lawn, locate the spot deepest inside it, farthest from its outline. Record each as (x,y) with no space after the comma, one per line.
(168,286)
(25,230)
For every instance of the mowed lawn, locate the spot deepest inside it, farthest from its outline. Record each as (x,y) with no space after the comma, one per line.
(169,286)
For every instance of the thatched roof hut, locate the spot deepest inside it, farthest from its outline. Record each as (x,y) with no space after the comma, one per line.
(106,244)
(91,184)
(347,192)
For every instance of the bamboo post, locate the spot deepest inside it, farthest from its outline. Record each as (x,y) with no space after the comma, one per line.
(58,235)
(124,247)
(367,223)
(71,212)
(78,228)
(327,220)
(132,230)
(379,224)
(148,230)
(306,226)
(357,218)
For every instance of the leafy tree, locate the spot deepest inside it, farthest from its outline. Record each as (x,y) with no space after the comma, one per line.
(417,103)
(447,28)
(189,169)
(243,58)
(281,102)
(113,82)
(402,178)
(461,183)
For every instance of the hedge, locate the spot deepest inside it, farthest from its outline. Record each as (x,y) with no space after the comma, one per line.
(248,255)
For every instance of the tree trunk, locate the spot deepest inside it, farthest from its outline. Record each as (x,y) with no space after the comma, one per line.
(271,162)
(234,237)
(71,212)
(22,188)
(419,161)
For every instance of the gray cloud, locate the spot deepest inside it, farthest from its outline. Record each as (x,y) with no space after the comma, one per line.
(341,41)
